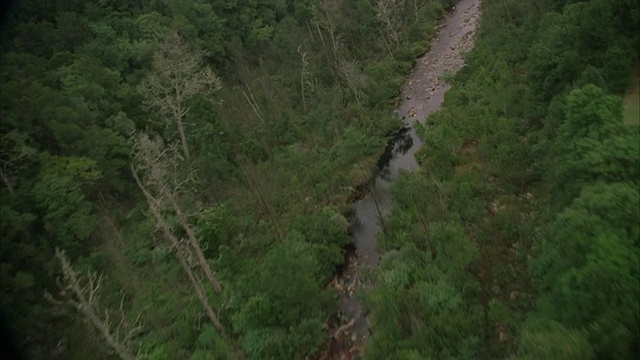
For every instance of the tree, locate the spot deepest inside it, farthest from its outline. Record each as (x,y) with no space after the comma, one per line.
(389,12)
(279,320)
(554,341)
(178,74)
(182,254)
(588,267)
(156,163)
(69,217)
(84,297)
(355,79)
(306,79)
(416,307)
(423,202)
(593,144)
(159,165)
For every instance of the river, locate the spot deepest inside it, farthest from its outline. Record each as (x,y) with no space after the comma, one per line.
(421,95)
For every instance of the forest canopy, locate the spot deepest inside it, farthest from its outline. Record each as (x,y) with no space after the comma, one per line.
(530,181)
(175,177)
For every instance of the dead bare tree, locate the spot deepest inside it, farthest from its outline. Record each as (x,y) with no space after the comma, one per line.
(254,105)
(306,80)
(178,74)
(159,164)
(181,251)
(333,46)
(346,74)
(388,11)
(84,297)
(355,79)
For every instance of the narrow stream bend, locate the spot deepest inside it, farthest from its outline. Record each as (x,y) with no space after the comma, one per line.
(422,94)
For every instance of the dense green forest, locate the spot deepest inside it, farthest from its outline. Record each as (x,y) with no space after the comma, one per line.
(188,163)
(530,180)
(175,176)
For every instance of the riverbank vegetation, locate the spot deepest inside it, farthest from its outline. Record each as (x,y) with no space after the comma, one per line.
(518,238)
(174,173)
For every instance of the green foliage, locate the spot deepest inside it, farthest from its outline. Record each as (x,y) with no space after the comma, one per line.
(528,158)
(589,267)
(68,215)
(69,76)
(274,167)
(554,341)
(416,310)
(326,231)
(594,143)
(213,228)
(155,352)
(568,43)
(278,319)
(586,266)
(210,346)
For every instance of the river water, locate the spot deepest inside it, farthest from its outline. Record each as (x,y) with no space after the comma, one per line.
(422,94)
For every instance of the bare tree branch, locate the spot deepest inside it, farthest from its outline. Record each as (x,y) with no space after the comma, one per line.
(178,75)
(154,161)
(85,299)
(182,254)
(356,80)
(388,11)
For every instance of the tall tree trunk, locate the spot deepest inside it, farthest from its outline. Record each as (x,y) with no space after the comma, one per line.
(303,72)
(183,138)
(195,244)
(85,302)
(176,76)
(89,312)
(200,292)
(180,252)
